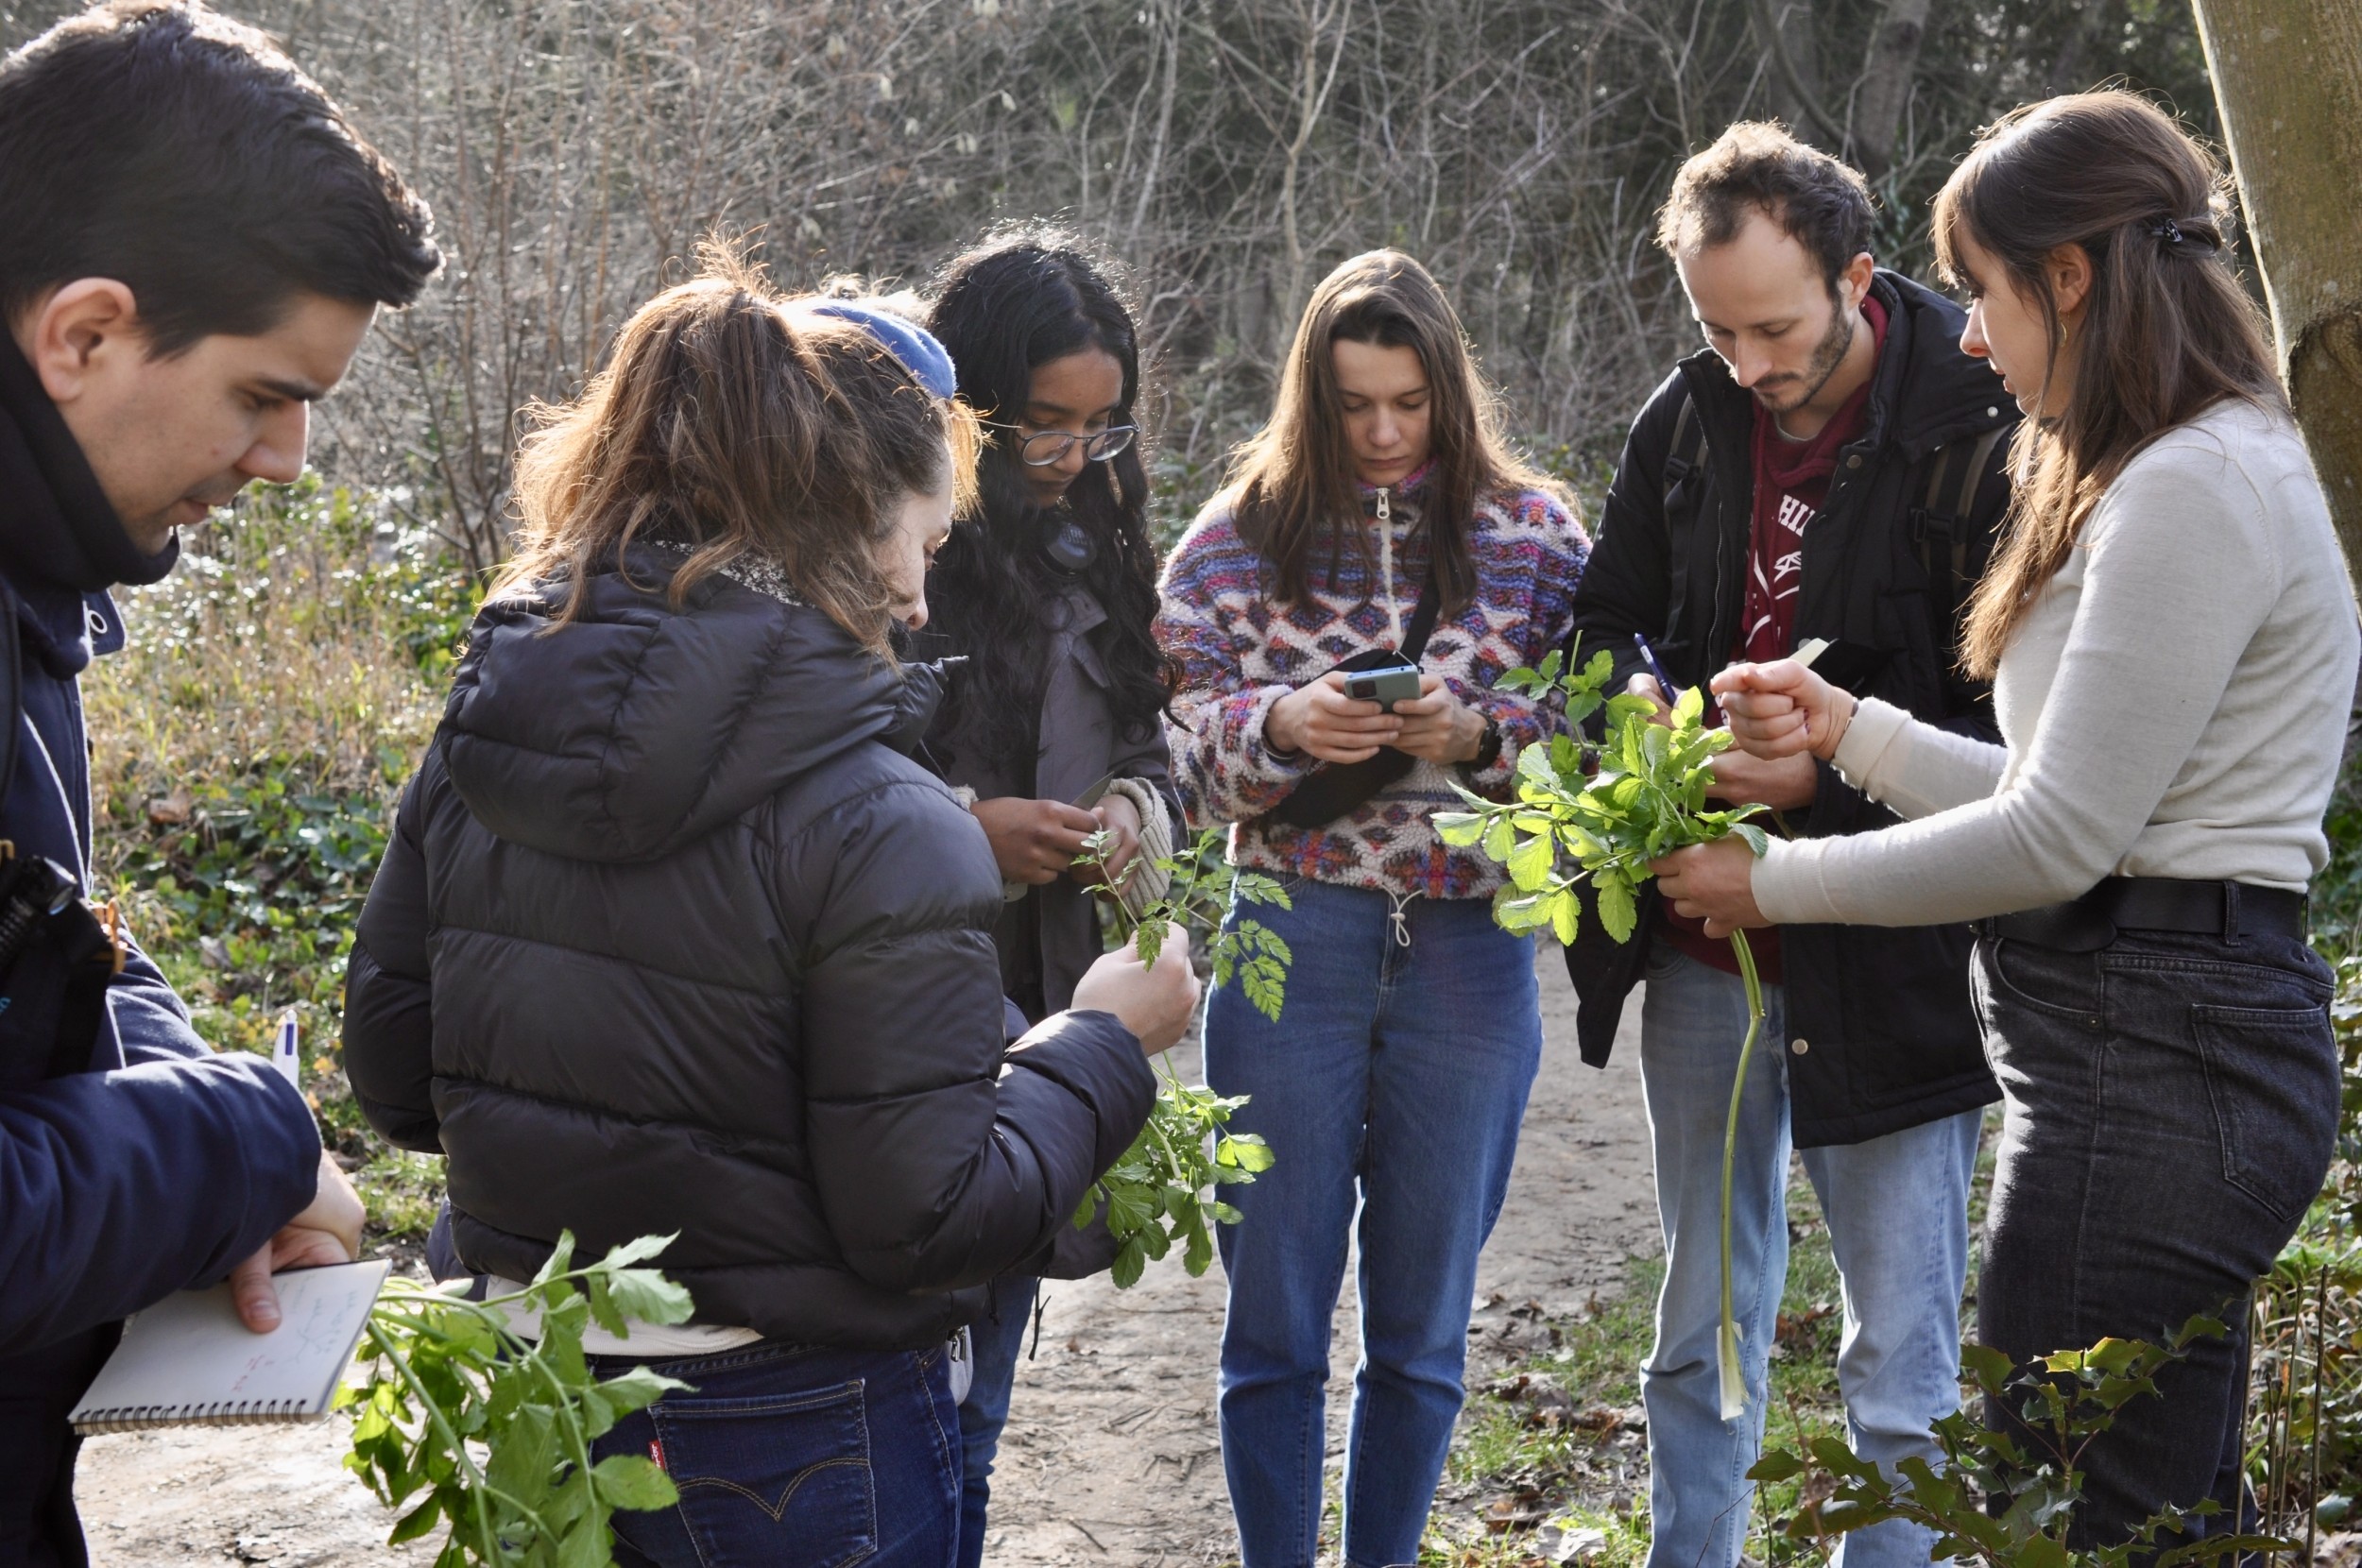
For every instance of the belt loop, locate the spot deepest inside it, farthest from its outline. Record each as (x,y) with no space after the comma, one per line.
(2231,910)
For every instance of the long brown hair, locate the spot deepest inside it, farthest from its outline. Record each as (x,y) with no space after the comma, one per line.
(730,421)
(1290,486)
(2165,330)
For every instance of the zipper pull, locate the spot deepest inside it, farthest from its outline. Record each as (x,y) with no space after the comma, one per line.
(1385,508)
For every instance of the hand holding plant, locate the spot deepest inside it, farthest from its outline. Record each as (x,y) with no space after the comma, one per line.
(1567,826)
(1162,1190)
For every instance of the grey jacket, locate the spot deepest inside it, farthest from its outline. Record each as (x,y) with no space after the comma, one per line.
(1080,743)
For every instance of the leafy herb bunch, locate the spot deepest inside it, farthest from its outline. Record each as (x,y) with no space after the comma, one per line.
(445,1379)
(2060,1403)
(1601,814)
(1164,1188)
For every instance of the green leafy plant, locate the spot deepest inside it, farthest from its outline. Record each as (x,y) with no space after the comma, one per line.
(1601,814)
(461,1401)
(1165,1188)
(2061,1405)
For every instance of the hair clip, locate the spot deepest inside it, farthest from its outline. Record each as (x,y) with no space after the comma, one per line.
(2170,233)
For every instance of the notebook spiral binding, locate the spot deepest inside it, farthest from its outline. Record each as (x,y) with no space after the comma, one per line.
(243,1412)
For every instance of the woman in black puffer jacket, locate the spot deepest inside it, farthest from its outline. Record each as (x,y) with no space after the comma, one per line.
(673,935)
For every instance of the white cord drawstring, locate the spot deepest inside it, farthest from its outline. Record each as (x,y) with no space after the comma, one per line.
(1400,918)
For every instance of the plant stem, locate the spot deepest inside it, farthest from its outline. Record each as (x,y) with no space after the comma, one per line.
(1734,1385)
(489,1543)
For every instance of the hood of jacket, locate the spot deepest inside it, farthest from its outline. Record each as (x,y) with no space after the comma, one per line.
(56,526)
(637,727)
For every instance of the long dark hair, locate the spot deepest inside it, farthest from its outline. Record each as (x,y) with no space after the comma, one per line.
(1291,487)
(2165,330)
(1003,309)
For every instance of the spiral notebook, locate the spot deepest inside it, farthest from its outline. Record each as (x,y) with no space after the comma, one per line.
(188,1359)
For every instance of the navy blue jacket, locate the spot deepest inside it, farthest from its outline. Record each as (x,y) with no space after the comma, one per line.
(160,1164)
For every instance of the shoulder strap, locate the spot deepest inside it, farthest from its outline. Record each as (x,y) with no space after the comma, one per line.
(1422,618)
(1687,455)
(1939,523)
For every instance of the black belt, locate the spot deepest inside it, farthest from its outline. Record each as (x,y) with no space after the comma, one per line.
(2085,925)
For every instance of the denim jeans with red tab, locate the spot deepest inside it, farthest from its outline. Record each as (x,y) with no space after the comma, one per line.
(796,1454)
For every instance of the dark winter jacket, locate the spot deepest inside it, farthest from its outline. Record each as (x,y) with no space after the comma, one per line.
(1882,1035)
(149,1163)
(673,935)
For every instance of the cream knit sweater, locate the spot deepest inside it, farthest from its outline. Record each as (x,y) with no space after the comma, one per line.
(2173,705)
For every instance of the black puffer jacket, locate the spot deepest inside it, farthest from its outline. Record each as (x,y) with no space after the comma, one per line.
(672,936)
(1883,1035)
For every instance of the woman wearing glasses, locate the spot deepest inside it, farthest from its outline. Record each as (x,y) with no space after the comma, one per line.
(1048,585)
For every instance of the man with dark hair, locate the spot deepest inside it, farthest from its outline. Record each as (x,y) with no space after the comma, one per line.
(1832,467)
(195,245)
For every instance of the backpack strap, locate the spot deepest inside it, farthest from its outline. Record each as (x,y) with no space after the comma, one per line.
(1940,524)
(1687,455)
(11,689)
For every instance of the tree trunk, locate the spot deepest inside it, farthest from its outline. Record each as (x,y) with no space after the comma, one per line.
(1783,31)
(1885,85)
(2287,75)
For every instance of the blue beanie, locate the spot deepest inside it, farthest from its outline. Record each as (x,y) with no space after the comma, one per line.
(917,350)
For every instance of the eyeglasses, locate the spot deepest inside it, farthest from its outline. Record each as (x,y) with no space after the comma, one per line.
(1045,448)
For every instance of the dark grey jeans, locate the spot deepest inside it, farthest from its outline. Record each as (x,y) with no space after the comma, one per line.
(2169,1103)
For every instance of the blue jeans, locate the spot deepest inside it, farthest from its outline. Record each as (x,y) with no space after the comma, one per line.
(1000,1342)
(1390,1092)
(796,1454)
(1897,1210)
(2169,1109)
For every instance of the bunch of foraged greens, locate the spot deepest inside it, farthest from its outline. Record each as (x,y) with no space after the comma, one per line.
(496,1426)
(1567,826)
(1163,1189)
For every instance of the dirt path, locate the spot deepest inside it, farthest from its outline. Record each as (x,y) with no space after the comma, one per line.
(1111,1456)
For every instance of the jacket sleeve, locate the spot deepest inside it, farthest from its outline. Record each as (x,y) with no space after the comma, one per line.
(150,1019)
(1222,767)
(1627,585)
(389,1023)
(118,1188)
(936,1167)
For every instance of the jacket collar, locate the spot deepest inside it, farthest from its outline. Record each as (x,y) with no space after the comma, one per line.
(55,524)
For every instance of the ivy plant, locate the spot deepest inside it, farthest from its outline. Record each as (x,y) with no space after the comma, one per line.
(2061,1403)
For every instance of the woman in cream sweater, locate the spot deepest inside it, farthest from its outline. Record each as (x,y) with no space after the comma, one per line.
(2172,642)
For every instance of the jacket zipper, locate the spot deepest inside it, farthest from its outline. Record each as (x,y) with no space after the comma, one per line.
(1386,560)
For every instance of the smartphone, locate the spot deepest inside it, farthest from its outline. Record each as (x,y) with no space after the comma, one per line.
(1384,683)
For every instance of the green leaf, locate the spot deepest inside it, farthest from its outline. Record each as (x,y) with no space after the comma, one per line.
(1777,1466)
(418,1522)
(1498,840)
(648,1296)
(1620,913)
(1564,910)
(1131,1259)
(1532,862)
(1246,1151)
(1753,836)
(1458,829)
(638,1251)
(632,1481)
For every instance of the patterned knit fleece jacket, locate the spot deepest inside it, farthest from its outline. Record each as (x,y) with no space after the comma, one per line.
(1240,652)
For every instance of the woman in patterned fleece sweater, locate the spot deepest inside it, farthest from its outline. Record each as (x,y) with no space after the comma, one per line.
(1391,1086)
